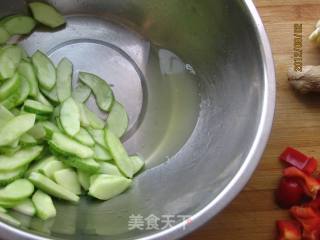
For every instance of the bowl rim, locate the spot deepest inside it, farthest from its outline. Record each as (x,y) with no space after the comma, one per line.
(253,158)
(244,173)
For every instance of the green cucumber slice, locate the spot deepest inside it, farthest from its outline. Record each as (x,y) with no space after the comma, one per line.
(84,179)
(137,163)
(12,100)
(9,87)
(26,70)
(84,120)
(18,24)
(38,131)
(81,93)
(28,140)
(51,94)
(42,99)
(14,111)
(5,115)
(51,167)
(17,190)
(102,91)
(68,179)
(10,58)
(70,117)
(20,158)
(46,14)
(105,186)
(101,153)
(45,70)
(109,169)
(9,219)
(15,128)
(7,177)
(50,128)
(47,185)
(119,154)
(4,35)
(67,146)
(98,136)
(26,207)
(8,204)
(9,150)
(117,120)
(40,164)
(23,91)
(94,121)
(33,106)
(84,137)
(86,165)
(44,206)
(64,78)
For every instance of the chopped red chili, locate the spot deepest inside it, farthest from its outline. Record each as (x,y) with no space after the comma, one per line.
(289,192)
(289,230)
(297,159)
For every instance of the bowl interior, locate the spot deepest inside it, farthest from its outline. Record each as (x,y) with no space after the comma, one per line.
(191,76)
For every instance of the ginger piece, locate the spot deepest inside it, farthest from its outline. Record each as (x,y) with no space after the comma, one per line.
(308,80)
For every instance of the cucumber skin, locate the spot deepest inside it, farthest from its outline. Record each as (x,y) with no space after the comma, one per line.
(79,164)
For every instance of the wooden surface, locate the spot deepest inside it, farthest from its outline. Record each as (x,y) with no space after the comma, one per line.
(253,213)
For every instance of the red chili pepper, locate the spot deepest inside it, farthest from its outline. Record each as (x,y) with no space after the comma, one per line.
(289,192)
(310,185)
(314,235)
(307,217)
(297,159)
(289,230)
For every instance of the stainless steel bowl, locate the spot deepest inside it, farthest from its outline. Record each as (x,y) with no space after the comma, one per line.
(197,79)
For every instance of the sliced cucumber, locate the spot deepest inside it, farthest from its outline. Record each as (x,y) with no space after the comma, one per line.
(9,150)
(26,207)
(9,87)
(18,24)
(94,121)
(7,177)
(8,204)
(15,128)
(70,117)
(105,186)
(84,179)
(5,115)
(46,14)
(40,164)
(81,93)
(20,158)
(84,137)
(101,153)
(119,154)
(10,58)
(43,203)
(68,146)
(33,106)
(87,165)
(38,131)
(4,35)
(17,190)
(23,91)
(42,99)
(98,136)
(26,70)
(117,120)
(100,88)
(64,78)
(28,140)
(68,179)
(15,111)
(47,185)
(51,94)
(51,167)
(84,120)
(137,163)
(45,70)
(109,169)
(12,100)
(50,128)
(9,219)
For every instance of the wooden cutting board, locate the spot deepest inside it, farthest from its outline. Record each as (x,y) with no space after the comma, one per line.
(252,215)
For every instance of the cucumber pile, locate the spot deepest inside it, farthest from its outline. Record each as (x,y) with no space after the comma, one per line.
(51,143)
